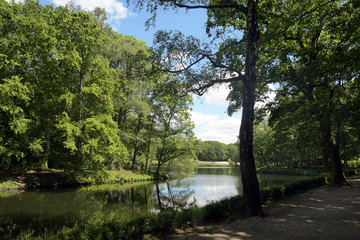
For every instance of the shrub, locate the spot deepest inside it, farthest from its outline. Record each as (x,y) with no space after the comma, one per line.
(227,207)
(277,192)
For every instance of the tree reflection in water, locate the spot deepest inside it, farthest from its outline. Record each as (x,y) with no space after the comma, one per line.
(53,209)
(174,198)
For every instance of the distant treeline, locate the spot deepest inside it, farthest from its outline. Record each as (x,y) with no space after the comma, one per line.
(217,151)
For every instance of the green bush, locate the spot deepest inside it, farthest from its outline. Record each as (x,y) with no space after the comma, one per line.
(228,207)
(277,192)
(291,171)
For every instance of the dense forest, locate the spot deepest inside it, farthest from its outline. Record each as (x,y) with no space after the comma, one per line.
(75,95)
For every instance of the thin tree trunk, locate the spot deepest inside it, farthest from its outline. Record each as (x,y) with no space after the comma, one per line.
(136,148)
(46,153)
(148,147)
(249,179)
(159,165)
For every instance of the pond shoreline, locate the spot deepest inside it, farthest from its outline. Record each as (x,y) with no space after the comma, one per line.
(53,179)
(206,197)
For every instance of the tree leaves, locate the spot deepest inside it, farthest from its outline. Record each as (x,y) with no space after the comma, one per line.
(72,90)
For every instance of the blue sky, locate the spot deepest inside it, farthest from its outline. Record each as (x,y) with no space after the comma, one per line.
(209,112)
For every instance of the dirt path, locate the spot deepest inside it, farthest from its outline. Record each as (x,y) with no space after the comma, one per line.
(323,213)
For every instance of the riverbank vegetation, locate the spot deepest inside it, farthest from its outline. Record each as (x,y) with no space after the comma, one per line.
(55,179)
(80,98)
(154,226)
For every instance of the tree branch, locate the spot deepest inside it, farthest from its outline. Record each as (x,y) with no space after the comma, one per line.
(201,89)
(180,70)
(313,10)
(223,4)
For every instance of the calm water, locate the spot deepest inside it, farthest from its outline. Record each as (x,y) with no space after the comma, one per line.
(48,209)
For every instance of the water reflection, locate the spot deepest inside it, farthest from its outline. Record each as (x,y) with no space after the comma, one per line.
(50,209)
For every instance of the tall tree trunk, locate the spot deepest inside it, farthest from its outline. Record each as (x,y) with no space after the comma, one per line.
(325,154)
(330,149)
(249,179)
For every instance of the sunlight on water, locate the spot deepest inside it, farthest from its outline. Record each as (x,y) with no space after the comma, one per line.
(64,207)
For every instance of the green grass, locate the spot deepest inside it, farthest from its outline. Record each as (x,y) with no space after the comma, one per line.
(128,176)
(117,176)
(209,163)
(9,184)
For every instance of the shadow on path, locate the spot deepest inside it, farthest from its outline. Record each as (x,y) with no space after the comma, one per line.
(322,213)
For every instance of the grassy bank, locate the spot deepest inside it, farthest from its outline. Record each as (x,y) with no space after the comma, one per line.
(209,163)
(56,178)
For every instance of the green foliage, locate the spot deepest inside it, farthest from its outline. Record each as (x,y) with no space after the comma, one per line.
(225,208)
(308,49)
(278,192)
(353,164)
(291,171)
(217,151)
(75,95)
(9,184)
(174,136)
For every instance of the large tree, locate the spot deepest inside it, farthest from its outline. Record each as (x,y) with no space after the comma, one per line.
(62,110)
(173,126)
(312,52)
(235,62)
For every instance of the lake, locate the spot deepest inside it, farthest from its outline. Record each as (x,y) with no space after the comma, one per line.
(52,208)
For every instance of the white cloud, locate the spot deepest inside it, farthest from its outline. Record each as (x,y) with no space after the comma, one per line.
(211,127)
(224,130)
(115,9)
(218,126)
(200,118)
(217,95)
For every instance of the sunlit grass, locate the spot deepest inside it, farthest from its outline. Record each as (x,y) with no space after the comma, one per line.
(9,184)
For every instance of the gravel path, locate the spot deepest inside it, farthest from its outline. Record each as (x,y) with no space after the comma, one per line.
(323,213)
